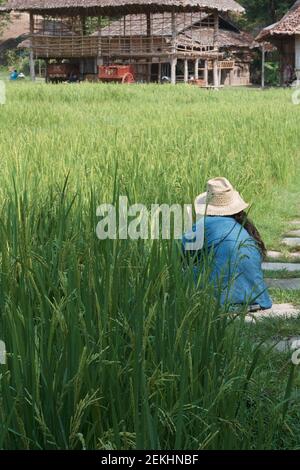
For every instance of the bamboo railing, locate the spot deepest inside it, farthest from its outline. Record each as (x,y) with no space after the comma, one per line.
(47,46)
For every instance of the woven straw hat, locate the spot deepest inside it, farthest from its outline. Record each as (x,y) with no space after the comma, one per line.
(221,199)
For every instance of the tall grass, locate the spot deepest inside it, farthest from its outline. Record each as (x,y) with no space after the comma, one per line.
(109,344)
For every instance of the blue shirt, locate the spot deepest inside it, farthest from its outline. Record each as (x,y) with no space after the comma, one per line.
(235,262)
(14,75)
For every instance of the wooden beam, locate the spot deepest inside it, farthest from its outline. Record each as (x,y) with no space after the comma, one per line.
(31,56)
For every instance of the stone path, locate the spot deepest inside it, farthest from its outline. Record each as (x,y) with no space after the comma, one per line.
(277,311)
(277,255)
(278,262)
(286,344)
(277,267)
(284,284)
(293,233)
(291,242)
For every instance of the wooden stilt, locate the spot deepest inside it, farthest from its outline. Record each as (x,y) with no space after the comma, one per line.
(186,70)
(196,69)
(297,59)
(81,67)
(31,55)
(216,73)
(174,58)
(149,46)
(220,76)
(263,60)
(46,71)
(206,72)
(159,72)
(173,70)
(149,72)
(216,48)
(281,65)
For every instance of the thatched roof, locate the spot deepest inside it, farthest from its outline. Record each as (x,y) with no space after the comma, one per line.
(226,38)
(134,6)
(289,25)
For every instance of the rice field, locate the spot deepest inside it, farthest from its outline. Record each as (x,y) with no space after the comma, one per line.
(108,345)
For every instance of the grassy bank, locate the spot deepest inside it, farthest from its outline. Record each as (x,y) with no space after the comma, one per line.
(109,346)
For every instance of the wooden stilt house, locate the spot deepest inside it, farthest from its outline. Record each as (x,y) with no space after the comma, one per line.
(285,36)
(153,36)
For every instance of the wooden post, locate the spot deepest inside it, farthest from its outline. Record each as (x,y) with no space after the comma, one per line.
(220,76)
(216,73)
(186,70)
(173,19)
(83,25)
(216,47)
(159,72)
(196,69)
(81,68)
(216,30)
(31,56)
(46,71)
(263,63)
(174,58)
(148,25)
(173,70)
(206,72)
(281,62)
(149,47)
(297,58)
(99,58)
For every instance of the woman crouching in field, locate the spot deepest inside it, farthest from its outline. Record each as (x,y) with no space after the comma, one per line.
(233,249)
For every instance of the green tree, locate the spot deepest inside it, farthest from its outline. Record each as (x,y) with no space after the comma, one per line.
(4,19)
(260,13)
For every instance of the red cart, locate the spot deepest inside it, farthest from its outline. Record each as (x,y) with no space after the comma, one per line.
(116,73)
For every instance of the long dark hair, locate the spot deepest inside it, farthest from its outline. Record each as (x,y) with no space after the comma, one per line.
(242,218)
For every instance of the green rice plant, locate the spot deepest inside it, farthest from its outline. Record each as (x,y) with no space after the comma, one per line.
(110,344)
